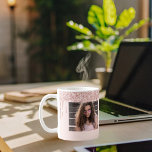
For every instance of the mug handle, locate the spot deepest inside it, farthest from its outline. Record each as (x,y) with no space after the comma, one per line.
(44,99)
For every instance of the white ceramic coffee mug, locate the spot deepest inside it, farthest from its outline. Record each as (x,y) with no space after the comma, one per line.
(78,113)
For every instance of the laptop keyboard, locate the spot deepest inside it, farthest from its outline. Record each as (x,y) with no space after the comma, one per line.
(116,110)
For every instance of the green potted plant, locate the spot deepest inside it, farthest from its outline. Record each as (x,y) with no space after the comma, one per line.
(109,29)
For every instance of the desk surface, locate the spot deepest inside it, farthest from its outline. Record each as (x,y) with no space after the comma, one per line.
(20,128)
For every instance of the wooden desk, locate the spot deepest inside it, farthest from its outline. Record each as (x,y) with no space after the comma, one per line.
(20,128)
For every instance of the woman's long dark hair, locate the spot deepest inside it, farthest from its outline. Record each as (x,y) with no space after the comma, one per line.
(80,116)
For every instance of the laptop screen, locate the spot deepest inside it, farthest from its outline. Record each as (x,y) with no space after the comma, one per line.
(142,146)
(131,79)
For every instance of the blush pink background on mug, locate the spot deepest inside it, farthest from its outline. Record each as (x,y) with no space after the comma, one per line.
(64,97)
(85,96)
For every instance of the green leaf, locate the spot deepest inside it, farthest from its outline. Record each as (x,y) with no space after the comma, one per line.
(125,18)
(85,45)
(136,26)
(109,10)
(95,16)
(80,37)
(108,31)
(107,47)
(86,37)
(79,27)
(137,39)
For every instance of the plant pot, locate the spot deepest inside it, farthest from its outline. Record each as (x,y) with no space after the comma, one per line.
(103,76)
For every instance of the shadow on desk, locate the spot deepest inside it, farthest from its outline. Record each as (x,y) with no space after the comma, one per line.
(48,145)
(48,142)
(11,108)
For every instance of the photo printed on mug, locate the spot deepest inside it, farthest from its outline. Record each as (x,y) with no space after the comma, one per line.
(83,116)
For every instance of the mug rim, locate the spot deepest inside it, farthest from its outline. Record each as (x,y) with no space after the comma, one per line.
(77,89)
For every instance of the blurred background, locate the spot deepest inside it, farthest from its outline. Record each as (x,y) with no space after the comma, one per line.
(34,37)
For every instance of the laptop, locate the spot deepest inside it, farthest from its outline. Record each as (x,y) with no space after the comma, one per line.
(129,92)
(128,146)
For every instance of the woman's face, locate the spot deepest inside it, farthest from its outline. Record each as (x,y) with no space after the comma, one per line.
(87,111)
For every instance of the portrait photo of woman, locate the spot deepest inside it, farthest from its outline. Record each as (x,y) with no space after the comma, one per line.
(86,118)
